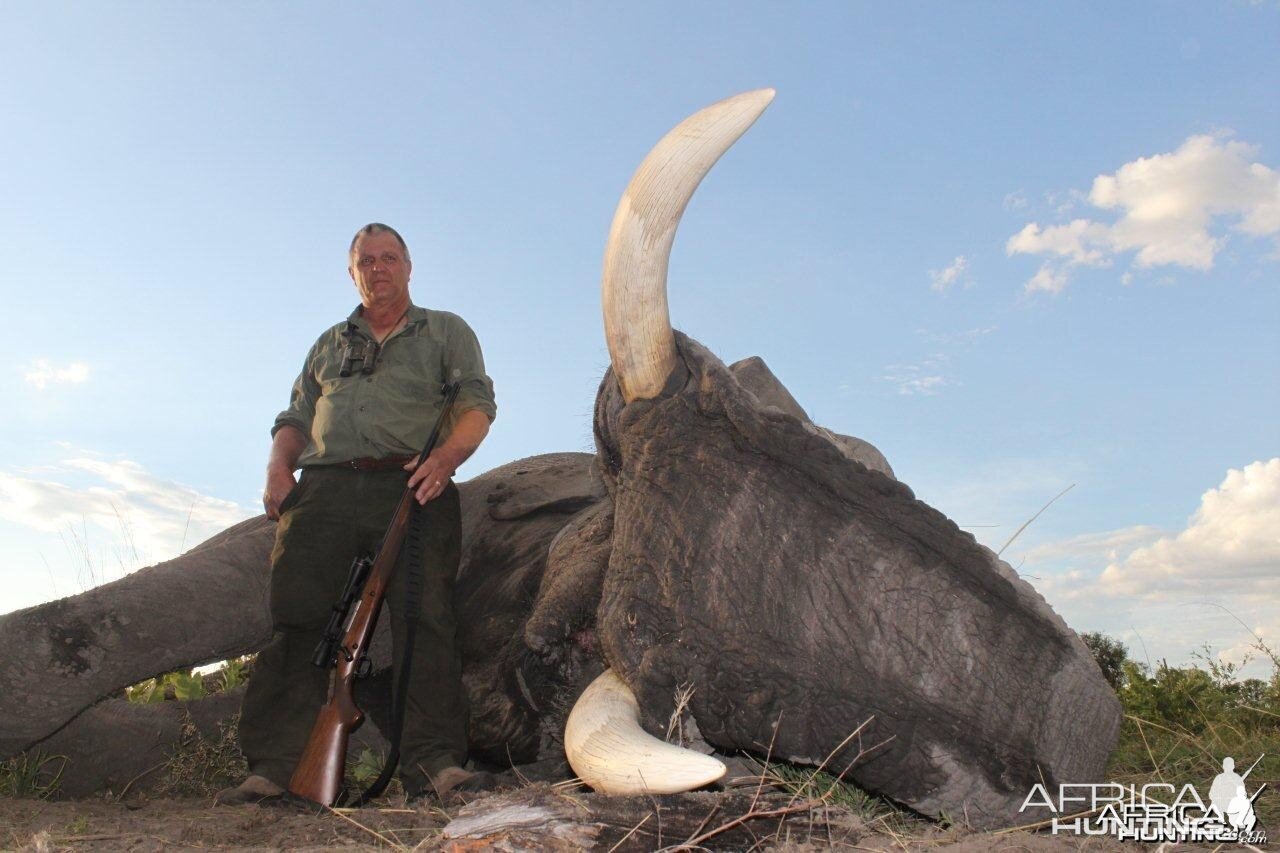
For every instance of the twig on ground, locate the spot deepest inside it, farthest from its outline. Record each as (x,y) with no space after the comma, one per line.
(1047,822)
(897,839)
(809,784)
(378,835)
(657,809)
(642,822)
(514,769)
(741,819)
(706,819)
(565,792)
(129,784)
(777,724)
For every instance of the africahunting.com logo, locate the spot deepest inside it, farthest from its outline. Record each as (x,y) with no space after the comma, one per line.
(1156,812)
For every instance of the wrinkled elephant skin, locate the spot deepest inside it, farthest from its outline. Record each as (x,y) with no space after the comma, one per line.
(800,594)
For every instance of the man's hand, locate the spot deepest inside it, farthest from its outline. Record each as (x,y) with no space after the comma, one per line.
(280,482)
(431,477)
(286,447)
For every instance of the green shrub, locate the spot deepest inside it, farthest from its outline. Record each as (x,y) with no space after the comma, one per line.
(174,685)
(32,774)
(1110,654)
(234,673)
(184,685)
(1180,722)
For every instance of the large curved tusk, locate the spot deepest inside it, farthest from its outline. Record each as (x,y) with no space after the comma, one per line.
(609,750)
(637,324)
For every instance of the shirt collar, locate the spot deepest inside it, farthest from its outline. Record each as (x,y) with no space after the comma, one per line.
(412,316)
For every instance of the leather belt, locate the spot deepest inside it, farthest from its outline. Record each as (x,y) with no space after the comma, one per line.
(370,463)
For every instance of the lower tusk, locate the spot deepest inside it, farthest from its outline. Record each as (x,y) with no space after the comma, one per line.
(609,750)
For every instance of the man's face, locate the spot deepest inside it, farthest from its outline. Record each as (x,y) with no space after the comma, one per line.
(380,270)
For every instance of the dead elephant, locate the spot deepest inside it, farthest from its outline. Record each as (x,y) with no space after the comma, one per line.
(721,543)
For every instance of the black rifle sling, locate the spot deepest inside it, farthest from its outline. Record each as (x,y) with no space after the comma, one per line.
(411,557)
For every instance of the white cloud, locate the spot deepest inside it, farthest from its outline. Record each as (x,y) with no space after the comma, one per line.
(1079,242)
(967,336)
(117,516)
(1169,593)
(1094,547)
(918,379)
(1174,209)
(1047,280)
(42,372)
(941,281)
(1231,542)
(921,384)
(1016,200)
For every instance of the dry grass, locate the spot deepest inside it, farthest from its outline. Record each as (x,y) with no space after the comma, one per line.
(202,766)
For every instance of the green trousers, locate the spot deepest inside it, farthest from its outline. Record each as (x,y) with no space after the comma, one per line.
(334,515)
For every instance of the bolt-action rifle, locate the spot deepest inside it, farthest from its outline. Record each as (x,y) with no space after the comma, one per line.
(345,649)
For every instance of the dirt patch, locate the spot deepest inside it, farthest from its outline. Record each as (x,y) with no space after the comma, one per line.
(597,822)
(167,824)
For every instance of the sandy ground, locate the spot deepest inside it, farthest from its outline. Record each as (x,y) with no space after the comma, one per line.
(191,824)
(104,824)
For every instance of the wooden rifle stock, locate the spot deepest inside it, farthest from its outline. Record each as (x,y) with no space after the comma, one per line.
(319,774)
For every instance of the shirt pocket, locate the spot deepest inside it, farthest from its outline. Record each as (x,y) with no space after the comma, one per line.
(327,368)
(415,365)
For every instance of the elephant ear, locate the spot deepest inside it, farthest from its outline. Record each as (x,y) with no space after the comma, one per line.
(755,377)
(758,381)
(571,586)
(556,482)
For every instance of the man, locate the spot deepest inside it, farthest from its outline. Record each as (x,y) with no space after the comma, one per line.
(366,399)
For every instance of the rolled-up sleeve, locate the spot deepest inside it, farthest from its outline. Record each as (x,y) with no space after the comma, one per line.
(302,400)
(464,364)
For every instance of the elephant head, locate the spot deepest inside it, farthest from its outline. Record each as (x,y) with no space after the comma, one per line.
(782,574)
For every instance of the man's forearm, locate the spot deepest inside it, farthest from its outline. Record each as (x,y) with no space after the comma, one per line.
(286,447)
(466,436)
(428,479)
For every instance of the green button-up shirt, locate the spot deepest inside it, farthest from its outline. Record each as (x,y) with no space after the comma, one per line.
(390,411)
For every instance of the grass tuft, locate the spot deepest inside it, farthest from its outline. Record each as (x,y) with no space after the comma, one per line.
(32,775)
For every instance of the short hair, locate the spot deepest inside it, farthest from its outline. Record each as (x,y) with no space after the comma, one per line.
(378,228)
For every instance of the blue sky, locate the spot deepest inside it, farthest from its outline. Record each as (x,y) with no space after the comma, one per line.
(1016,247)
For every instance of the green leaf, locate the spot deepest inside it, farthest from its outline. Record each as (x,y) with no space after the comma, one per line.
(186,685)
(233,674)
(367,767)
